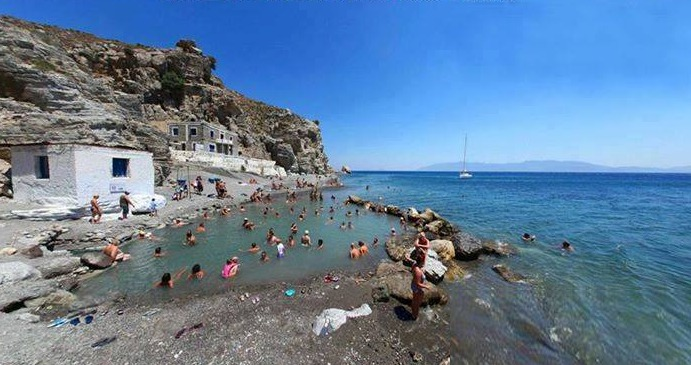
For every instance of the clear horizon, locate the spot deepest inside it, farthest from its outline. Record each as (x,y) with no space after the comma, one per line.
(604,83)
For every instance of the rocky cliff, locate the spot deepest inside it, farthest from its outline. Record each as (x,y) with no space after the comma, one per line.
(59,85)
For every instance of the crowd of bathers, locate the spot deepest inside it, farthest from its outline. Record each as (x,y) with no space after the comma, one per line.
(232,264)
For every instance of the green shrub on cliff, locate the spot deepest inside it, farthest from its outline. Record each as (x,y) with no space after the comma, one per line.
(173,84)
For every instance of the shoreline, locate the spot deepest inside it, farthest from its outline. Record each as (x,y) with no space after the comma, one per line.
(358,285)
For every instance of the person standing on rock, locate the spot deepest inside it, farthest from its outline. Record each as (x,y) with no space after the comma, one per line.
(417,285)
(125,203)
(96,211)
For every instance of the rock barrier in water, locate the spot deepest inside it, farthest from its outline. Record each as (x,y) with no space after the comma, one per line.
(465,246)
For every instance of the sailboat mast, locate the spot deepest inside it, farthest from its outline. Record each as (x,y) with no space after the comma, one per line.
(465,147)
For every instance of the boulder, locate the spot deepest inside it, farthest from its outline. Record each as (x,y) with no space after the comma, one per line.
(398,287)
(396,249)
(355,199)
(507,274)
(386,268)
(497,249)
(57,266)
(8,251)
(5,179)
(393,210)
(428,215)
(380,293)
(434,269)
(440,227)
(15,293)
(28,317)
(16,271)
(96,260)
(467,247)
(284,156)
(58,298)
(443,248)
(32,252)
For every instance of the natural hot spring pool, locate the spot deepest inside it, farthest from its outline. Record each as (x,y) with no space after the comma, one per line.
(225,238)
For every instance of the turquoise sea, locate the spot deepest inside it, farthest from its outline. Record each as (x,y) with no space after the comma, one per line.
(622,297)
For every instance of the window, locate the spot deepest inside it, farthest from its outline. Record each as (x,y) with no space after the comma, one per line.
(42,169)
(212,148)
(175,131)
(230,138)
(121,167)
(211,134)
(222,136)
(193,131)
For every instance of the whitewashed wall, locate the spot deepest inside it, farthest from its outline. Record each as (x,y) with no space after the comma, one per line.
(95,175)
(77,172)
(59,189)
(230,163)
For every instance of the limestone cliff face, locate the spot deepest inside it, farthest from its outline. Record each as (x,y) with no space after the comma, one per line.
(60,85)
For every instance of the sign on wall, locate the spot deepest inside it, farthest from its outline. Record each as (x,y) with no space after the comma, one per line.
(117,187)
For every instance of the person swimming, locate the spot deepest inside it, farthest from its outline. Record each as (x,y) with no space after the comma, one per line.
(343,225)
(320,244)
(306,240)
(375,241)
(158,252)
(230,269)
(294,228)
(566,246)
(291,241)
(196,273)
(225,211)
(246,224)
(166,281)
(354,252)
(527,237)
(363,248)
(190,240)
(350,225)
(264,257)
(201,228)
(253,248)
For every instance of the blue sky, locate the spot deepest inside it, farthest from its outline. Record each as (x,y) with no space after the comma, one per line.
(396,84)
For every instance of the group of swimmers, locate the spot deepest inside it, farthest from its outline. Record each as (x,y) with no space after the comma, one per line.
(565,245)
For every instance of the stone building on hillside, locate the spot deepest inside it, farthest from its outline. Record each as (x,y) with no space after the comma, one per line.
(70,174)
(202,136)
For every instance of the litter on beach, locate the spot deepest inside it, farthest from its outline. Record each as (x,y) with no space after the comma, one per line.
(333,318)
(289,292)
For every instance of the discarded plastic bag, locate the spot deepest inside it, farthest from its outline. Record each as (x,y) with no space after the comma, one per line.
(333,318)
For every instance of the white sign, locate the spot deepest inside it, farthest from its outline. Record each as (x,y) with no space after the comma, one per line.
(117,188)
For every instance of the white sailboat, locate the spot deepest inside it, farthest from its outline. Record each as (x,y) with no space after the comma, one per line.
(465,174)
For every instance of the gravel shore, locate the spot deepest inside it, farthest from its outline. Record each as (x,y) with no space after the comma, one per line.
(266,328)
(246,325)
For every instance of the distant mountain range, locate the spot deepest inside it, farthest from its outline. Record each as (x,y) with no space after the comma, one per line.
(550,166)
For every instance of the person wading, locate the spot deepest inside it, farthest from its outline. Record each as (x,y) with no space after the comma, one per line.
(125,204)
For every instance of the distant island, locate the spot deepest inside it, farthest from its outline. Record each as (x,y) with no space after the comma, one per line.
(551,166)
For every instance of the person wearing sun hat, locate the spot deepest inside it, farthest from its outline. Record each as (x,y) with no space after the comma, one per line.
(306,240)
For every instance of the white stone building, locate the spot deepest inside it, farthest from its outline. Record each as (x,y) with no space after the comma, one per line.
(70,174)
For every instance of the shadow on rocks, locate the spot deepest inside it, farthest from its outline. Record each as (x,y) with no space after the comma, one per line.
(402,313)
